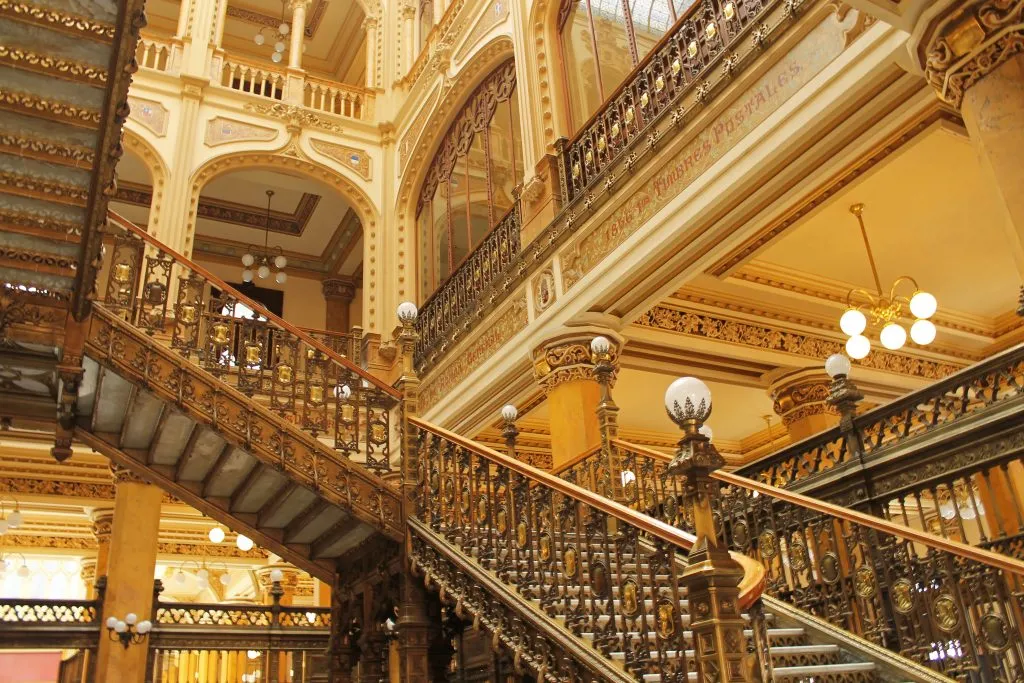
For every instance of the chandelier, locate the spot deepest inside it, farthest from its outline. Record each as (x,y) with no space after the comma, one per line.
(263,259)
(278,37)
(887,311)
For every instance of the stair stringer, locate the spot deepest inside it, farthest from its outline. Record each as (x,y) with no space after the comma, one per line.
(537,643)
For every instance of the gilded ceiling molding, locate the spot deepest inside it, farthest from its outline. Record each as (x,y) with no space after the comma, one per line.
(720,328)
(149,114)
(52,110)
(221,130)
(64,69)
(20,257)
(62,154)
(294,115)
(833,186)
(38,223)
(64,542)
(356,159)
(971,40)
(52,19)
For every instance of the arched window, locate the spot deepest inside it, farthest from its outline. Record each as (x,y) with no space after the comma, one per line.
(469,185)
(603,40)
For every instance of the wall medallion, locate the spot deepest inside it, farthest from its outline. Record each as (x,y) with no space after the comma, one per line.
(630,604)
(995,632)
(798,557)
(864,581)
(902,596)
(569,561)
(766,543)
(946,613)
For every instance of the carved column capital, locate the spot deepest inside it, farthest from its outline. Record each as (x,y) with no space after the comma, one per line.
(123,475)
(304,4)
(966,41)
(801,394)
(407,11)
(102,522)
(339,288)
(87,571)
(568,358)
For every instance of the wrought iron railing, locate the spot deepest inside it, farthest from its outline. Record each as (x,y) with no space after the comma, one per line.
(189,614)
(448,313)
(703,37)
(948,606)
(994,384)
(607,570)
(346,344)
(285,369)
(16,610)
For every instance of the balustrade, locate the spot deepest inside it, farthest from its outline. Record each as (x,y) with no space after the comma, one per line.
(153,53)
(286,370)
(253,78)
(338,98)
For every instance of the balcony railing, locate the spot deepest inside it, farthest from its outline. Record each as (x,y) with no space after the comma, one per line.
(448,312)
(340,99)
(153,53)
(257,79)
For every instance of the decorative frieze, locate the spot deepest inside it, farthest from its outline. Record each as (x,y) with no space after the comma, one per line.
(221,130)
(568,360)
(356,159)
(149,114)
(294,115)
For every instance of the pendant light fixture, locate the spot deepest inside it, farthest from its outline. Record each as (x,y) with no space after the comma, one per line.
(263,260)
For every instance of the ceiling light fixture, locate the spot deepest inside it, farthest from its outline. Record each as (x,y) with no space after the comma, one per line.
(279,38)
(886,311)
(262,260)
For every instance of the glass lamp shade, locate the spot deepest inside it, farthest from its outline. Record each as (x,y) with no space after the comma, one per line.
(837,365)
(144,627)
(203,573)
(281,278)
(120,627)
(247,275)
(253,654)
(279,46)
(280,261)
(224,579)
(344,391)
(922,332)
(130,618)
(14,519)
(248,260)
(407,312)
(893,336)
(858,346)
(600,345)
(706,431)
(853,322)
(216,535)
(111,622)
(276,57)
(923,305)
(179,577)
(688,398)
(263,271)
(276,575)
(24,571)
(202,584)
(244,543)
(283,29)
(509,413)
(259,39)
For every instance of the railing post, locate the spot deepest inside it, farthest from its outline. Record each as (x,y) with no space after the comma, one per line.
(607,411)
(508,428)
(711,576)
(561,147)
(408,384)
(844,395)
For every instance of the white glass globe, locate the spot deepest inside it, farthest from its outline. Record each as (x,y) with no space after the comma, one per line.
(407,312)
(283,29)
(280,261)
(130,618)
(111,622)
(688,398)
(247,275)
(343,391)
(923,305)
(858,346)
(202,584)
(3,526)
(837,365)
(281,278)
(279,46)
(509,413)
(259,39)
(893,336)
(276,57)
(853,322)
(248,260)
(203,573)
(23,571)
(144,627)
(263,271)
(922,332)
(224,579)
(253,654)
(179,577)
(276,575)
(14,519)
(600,345)
(244,543)
(706,431)
(216,534)
(120,627)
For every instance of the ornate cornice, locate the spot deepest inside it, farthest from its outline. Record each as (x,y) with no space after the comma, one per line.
(569,359)
(294,115)
(339,288)
(54,110)
(54,20)
(969,42)
(64,154)
(800,396)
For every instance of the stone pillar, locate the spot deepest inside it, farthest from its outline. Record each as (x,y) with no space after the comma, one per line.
(564,368)
(370,26)
(800,398)
(413,632)
(131,564)
(184,10)
(298,32)
(102,522)
(971,52)
(339,294)
(407,13)
(218,27)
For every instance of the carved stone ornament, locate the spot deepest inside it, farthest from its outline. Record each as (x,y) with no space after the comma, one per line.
(294,115)
(221,130)
(969,42)
(566,361)
(356,159)
(806,396)
(336,288)
(149,114)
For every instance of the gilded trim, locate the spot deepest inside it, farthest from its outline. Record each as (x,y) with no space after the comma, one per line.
(24,186)
(76,156)
(57,21)
(32,105)
(52,66)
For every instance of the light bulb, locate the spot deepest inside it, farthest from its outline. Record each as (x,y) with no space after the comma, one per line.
(202,584)
(111,622)
(144,627)
(922,332)
(311,617)
(225,579)
(509,413)
(281,278)
(893,336)
(706,431)
(837,365)
(253,654)
(276,575)
(203,573)
(179,577)
(407,312)
(853,322)
(247,275)
(627,477)
(276,57)
(263,271)
(923,305)
(283,29)
(130,618)
(279,46)
(23,571)
(600,345)
(280,261)
(14,519)
(343,392)
(120,627)
(248,260)
(216,534)
(244,543)
(259,39)
(858,346)
(688,398)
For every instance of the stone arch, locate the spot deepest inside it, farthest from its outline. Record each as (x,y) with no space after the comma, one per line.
(136,143)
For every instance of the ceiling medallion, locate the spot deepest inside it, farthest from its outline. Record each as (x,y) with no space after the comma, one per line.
(886,311)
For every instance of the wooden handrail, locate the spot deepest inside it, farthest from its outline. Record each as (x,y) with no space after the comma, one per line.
(970,552)
(752,585)
(572,462)
(256,306)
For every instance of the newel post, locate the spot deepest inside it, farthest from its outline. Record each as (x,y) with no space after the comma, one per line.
(408,383)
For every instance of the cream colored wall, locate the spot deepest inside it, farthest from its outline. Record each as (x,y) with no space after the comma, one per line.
(304,304)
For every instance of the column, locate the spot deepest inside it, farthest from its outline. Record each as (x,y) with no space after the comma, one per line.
(564,368)
(102,522)
(339,294)
(370,26)
(408,16)
(970,52)
(298,32)
(178,230)
(131,565)
(413,632)
(800,398)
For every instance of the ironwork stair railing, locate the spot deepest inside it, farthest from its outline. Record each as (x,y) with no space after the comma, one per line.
(948,606)
(486,525)
(293,373)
